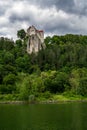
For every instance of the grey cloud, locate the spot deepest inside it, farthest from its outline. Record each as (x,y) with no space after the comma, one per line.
(4,5)
(48,22)
(66,5)
(16,18)
(84,11)
(20,18)
(69,6)
(2,33)
(2,11)
(61,28)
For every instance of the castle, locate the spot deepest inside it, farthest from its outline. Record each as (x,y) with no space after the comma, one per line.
(35,40)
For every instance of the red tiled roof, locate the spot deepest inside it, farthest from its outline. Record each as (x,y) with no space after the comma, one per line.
(39,30)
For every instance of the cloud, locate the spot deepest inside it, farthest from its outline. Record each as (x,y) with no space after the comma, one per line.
(53,16)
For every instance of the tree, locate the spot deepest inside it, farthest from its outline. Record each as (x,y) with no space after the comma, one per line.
(9,79)
(8,57)
(78,81)
(9,84)
(21,33)
(19,43)
(55,39)
(82,90)
(47,41)
(2,72)
(6,44)
(56,82)
(25,88)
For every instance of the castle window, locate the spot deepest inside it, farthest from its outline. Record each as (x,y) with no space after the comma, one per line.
(32,30)
(32,37)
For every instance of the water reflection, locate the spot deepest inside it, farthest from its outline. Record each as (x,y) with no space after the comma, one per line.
(68,116)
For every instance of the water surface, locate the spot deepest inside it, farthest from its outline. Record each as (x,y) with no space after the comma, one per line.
(64,116)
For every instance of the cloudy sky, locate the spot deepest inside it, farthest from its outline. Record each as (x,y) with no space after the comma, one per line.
(53,16)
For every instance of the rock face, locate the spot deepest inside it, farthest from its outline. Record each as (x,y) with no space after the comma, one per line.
(35,40)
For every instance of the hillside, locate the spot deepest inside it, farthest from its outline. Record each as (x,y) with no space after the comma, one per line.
(61,68)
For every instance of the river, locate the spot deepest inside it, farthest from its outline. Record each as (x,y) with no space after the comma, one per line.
(62,116)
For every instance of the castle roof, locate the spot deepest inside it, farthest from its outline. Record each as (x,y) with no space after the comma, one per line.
(39,30)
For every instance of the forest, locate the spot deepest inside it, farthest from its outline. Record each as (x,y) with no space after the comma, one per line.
(59,69)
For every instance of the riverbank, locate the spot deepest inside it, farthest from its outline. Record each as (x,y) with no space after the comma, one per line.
(41,102)
(52,100)
(62,98)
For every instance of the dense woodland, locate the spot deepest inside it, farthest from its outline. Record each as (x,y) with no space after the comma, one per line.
(61,68)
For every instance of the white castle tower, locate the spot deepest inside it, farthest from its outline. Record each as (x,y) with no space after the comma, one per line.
(35,40)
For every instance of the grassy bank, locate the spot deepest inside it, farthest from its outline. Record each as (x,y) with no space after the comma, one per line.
(14,99)
(62,98)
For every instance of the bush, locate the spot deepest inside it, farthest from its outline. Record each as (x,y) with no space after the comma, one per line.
(78,81)
(9,79)
(25,88)
(7,89)
(56,83)
(82,89)
(47,95)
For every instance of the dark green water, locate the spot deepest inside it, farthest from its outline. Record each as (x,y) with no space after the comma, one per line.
(65,116)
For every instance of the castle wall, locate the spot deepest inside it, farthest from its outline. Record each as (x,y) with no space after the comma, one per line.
(35,41)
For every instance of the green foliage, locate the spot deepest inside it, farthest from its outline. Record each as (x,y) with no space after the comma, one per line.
(25,87)
(47,95)
(78,81)
(21,33)
(59,68)
(2,72)
(19,43)
(8,85)
(8,58)
(82,90)
(9,79)
(47,40)
(6,44)
(56,82)
(9,97)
